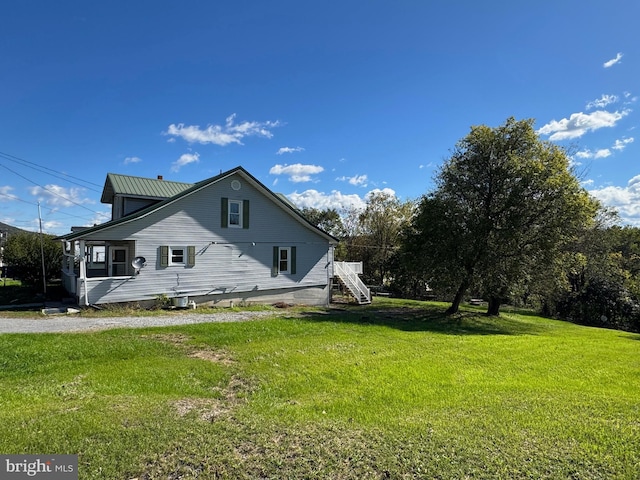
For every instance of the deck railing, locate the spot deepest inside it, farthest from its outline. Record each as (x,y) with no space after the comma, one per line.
(348,275)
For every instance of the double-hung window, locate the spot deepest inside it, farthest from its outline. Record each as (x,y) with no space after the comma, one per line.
(284,260)
(234,213)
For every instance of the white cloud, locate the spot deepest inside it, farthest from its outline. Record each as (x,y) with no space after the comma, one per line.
(51,225)
(222,135)
(323,201)
(185,159)
(6,195)
(603,101)
(99,217)
(57,196)
(613,61)
(296,172)
(602,153)
(626,200)
(282,150)
(621,144)
(357,180)
(129,160)
(336,199)
(580,123)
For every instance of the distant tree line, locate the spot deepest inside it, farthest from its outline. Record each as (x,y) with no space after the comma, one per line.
(507,222)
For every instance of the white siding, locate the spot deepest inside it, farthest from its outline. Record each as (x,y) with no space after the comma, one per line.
(231,263)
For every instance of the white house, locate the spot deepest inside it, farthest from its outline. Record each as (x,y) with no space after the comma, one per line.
(225,239)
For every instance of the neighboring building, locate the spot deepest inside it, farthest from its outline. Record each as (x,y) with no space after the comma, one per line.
(222,240)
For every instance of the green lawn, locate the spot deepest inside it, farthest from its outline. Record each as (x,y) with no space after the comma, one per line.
(13,292)
(393,390)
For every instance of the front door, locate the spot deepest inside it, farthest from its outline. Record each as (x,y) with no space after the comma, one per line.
(118,264)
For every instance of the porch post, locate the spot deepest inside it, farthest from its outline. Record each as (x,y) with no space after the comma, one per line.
(83,270)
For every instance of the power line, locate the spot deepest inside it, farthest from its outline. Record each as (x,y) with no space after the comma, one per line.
(48,190)
(50,209)
(50,171)
(13,197)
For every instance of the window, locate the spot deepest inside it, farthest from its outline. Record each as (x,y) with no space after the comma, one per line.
(234,213)
(284,260)
(96,255)
(177,256)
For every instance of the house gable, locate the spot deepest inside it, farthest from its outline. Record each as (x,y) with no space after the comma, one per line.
(278,200)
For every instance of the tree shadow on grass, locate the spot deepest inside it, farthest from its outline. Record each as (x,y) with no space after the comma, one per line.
(426,319)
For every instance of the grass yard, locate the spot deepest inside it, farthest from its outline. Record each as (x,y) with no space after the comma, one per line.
(13,292)
(392,390)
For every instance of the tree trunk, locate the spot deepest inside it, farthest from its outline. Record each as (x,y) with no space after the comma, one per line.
(455,305)
(493,309)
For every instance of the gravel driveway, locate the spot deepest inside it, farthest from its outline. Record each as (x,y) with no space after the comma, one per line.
(72,323)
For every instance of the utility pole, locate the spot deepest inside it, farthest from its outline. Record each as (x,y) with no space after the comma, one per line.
(44,274)
(3,267)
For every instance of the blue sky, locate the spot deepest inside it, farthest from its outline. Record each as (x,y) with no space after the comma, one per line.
(323,101)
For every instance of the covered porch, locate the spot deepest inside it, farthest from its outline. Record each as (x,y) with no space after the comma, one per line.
(89,265)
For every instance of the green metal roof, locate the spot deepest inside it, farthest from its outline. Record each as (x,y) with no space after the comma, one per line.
(116,184)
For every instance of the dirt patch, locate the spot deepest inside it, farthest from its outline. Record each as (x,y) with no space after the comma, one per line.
(209,409)
(213,356)
(206,409)
(180,340)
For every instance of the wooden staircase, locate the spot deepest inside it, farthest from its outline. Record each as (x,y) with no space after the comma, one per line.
(347,275)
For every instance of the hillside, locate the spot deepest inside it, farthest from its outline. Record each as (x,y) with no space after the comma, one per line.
(9,229)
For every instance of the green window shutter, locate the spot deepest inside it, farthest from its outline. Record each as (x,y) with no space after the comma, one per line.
(276,254)
(292,266)
(245,214)
(224,212)
(164,256)
(191,256)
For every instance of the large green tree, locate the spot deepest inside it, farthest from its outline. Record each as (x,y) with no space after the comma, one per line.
(504,204)
(24,254)
(380,227)
(328,220)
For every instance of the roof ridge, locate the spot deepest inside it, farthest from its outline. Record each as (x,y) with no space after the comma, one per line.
(148,178)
